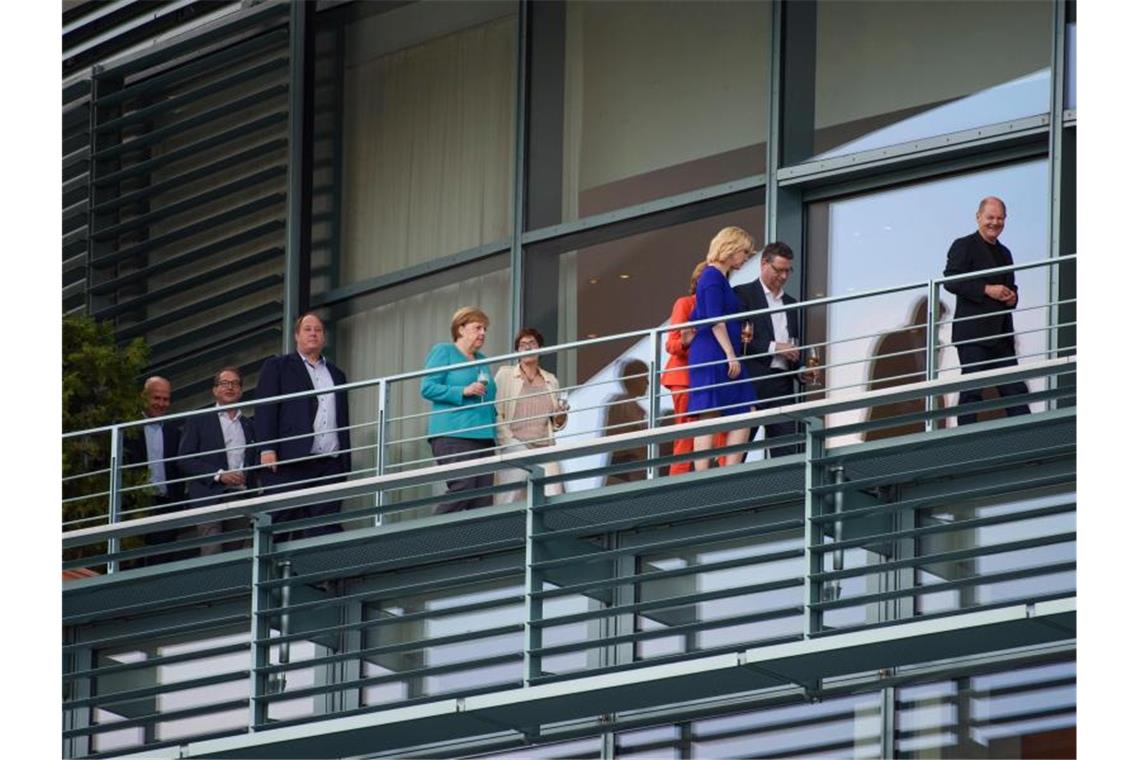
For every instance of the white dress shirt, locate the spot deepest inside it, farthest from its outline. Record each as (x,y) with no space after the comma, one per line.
(234,436)
(779,326)
(155,461)
(325,439)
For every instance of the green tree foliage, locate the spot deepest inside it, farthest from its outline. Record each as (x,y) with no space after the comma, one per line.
(100,386)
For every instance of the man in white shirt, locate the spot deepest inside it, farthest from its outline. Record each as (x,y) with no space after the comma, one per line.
(772,356)
(218,448)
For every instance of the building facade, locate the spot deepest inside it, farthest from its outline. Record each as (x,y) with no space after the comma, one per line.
(562,165)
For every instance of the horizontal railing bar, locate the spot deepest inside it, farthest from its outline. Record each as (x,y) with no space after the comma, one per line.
(673,602)
(408,646)
(1045,453)
(718,507)
(154,662)
(949,527)
(124,610)
(942,499)
(934,588)
(134,695)
(537,456)
(658,546)
(674,630)
(166,715)
(366,596)
(364,625)
(1003,603)
(657,575)
(951,556)
(361,683)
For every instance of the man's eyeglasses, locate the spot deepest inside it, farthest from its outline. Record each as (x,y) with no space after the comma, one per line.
(525,344)
(228,384)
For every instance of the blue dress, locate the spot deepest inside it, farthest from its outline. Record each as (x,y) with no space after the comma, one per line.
(706,384)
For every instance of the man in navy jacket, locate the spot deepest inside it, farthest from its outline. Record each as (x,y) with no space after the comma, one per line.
(219,449)
(303,441)
(983,322)
(771,357)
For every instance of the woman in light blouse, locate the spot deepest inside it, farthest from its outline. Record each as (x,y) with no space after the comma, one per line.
(462,423)
(529,412)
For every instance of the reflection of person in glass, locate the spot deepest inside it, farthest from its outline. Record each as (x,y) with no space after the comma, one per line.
(529,412)
(713,362)
(462,423)
(983,322)
(771,352)
(899,357)
(625,415)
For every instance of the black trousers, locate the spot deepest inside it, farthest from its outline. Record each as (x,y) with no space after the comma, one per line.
(974,357)
(448,449)
(779,390)
(292,475)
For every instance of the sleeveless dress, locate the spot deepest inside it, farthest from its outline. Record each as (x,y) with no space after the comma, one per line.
(706,384)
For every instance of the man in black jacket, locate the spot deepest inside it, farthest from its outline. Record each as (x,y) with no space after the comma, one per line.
(771,356)
(304,441)
(219,449)
(983,322)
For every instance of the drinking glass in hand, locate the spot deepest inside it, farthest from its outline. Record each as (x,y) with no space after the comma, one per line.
(813,372)
(746,333)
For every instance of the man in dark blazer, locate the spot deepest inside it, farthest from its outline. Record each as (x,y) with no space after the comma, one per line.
(219,449)
(771,356)
(315,449)
(154,447)
(983,324)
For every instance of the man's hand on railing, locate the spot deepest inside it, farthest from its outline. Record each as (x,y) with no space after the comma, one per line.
(269,459)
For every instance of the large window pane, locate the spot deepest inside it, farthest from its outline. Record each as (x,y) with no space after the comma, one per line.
(635,101)
(901,236)
(890,72)
(414,157)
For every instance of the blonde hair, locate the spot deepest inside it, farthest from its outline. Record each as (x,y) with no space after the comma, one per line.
(727,242)
(696,275)
(465,315)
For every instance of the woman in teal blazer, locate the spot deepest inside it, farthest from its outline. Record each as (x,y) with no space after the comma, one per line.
(462,421)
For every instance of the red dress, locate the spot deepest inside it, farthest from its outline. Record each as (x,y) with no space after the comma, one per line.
(676,379)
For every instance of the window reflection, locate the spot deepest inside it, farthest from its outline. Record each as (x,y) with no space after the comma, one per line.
(889,72)
(899,236)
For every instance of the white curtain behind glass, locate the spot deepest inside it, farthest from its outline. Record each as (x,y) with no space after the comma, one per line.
(428,157)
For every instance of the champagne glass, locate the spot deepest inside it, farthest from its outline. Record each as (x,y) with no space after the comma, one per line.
(812,363)
(746,332)
(563,401)
(484,378)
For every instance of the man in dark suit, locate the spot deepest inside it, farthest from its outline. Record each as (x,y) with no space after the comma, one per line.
(218,449)
(771,356)
(983,324)
(315,446)
(155,445)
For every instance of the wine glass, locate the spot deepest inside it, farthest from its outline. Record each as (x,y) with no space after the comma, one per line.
(483,378)
(813,372)
(746,332)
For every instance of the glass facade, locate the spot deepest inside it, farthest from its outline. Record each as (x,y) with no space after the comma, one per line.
(644,128)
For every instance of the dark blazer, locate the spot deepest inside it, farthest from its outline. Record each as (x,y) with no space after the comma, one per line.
(751,295)
(134,453)
(203,445)
(973,254)
(294,417)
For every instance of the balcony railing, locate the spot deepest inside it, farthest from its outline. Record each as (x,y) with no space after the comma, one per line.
(817,563)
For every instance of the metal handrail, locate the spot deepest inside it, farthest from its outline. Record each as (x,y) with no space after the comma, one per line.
(394,481)
(654,370)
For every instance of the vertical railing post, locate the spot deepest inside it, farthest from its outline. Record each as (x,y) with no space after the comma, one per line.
(381,443)
(815,474)
(115,494)
(932,317)
(654,449)
(259,620)
(532,610)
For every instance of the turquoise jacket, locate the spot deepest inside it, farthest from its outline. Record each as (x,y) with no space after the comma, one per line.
(453,413)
